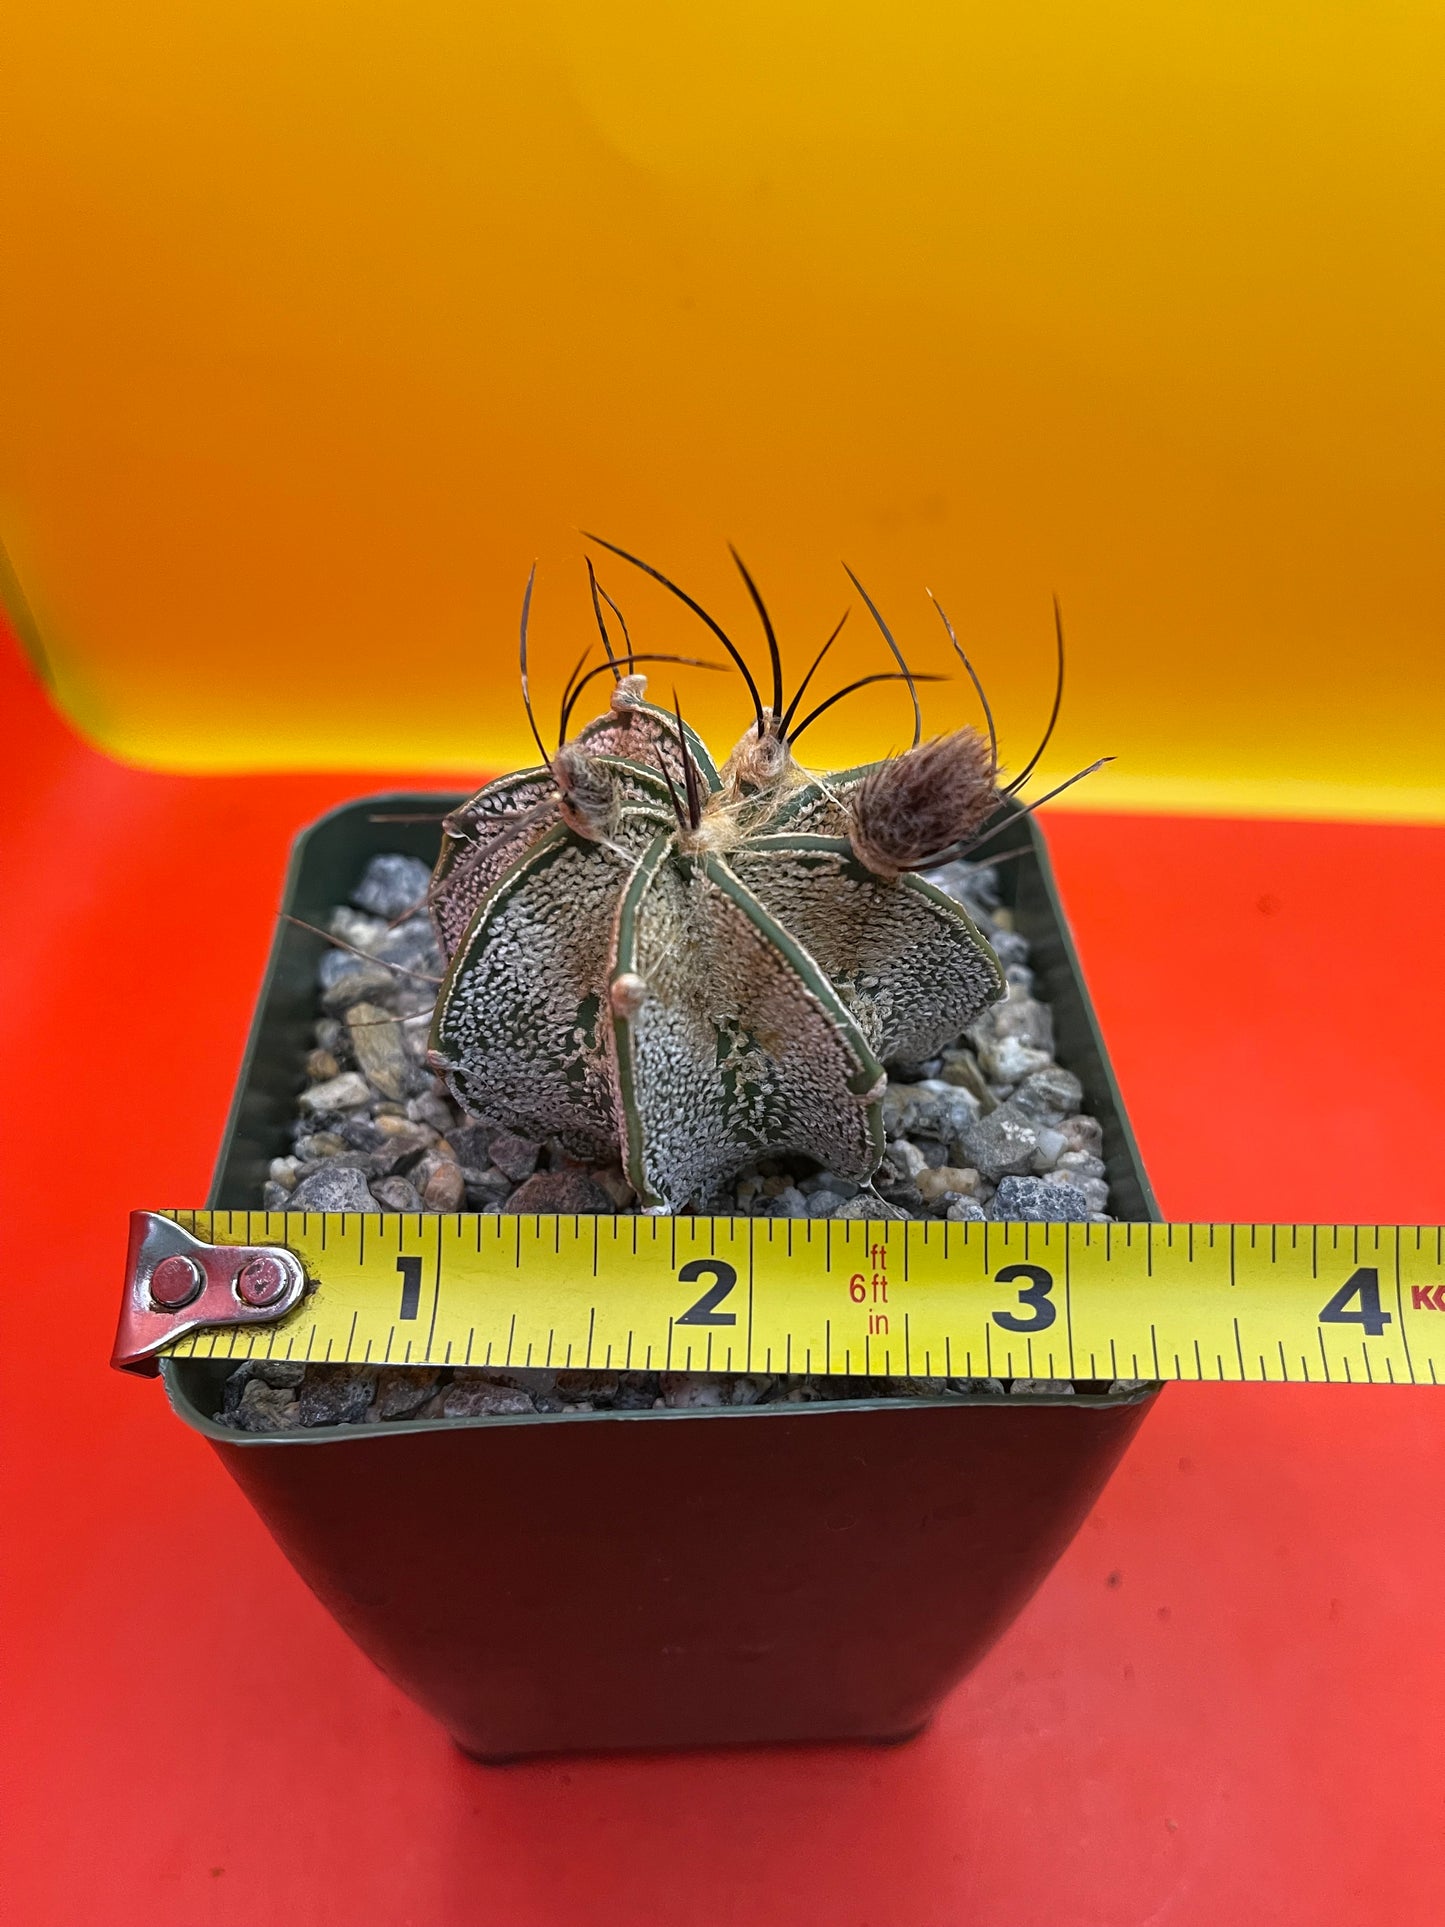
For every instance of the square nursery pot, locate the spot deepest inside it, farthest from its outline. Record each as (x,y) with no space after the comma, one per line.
(673,1578)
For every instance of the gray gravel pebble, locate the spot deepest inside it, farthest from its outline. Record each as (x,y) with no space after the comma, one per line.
(1014,1039)
(345,1093)
(278,1374)
(330,1189)
(906,1158)
(961,1067)
(432,1108)
(866,1206)
(395,1194)
(1082,1134)
(932,1110)
(1036,1201)
(693,1391)
(401,1391)
(515,1156)
(486,1190)
(347,980)
(473,1144)
(376,1044)
(336,1394)
(314,1145)
(392,886)
(787,1203)
(480,1400)
(1000,1145)
(966,1211)
(266,1408)
(1049,1093)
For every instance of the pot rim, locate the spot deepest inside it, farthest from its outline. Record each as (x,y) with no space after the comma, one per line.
(186,1409)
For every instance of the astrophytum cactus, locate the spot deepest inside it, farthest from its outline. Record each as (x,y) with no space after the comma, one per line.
(685,968)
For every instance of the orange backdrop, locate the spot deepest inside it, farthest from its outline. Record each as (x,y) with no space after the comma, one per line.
(324,319)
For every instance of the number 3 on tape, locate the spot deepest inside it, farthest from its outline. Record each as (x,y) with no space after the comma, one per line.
(1041,1309)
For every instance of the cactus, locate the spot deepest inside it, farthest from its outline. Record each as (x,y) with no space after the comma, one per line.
(684,967)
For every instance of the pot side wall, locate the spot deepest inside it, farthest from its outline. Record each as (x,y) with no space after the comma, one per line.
(596,1583)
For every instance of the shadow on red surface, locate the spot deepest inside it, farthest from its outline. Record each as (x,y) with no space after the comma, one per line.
(1224,1704)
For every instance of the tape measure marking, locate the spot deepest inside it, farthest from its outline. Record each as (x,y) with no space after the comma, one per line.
(1343,1304)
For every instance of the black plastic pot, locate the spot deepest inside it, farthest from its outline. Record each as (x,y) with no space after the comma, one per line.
(675,1578)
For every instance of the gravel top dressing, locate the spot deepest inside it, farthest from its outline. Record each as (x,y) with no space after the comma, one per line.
(990,1129)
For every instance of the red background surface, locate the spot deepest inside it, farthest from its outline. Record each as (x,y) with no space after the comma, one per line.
(1226,1702)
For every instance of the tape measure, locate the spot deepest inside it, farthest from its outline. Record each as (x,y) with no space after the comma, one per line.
(1297,1304)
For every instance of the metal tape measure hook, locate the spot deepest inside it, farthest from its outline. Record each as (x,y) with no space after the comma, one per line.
(176,1284)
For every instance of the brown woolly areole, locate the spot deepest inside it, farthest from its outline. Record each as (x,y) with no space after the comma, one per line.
(918,805)
(586,795)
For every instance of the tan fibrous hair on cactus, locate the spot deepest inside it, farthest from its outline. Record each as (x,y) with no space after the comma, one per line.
(760,763)
(915,808)
(689,968)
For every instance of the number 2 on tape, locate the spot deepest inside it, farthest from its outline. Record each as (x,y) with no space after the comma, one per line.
(705,1311)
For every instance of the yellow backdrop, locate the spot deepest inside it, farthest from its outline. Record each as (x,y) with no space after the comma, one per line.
(324,317)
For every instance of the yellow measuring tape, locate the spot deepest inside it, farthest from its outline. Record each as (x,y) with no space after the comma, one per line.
(1257,1303)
